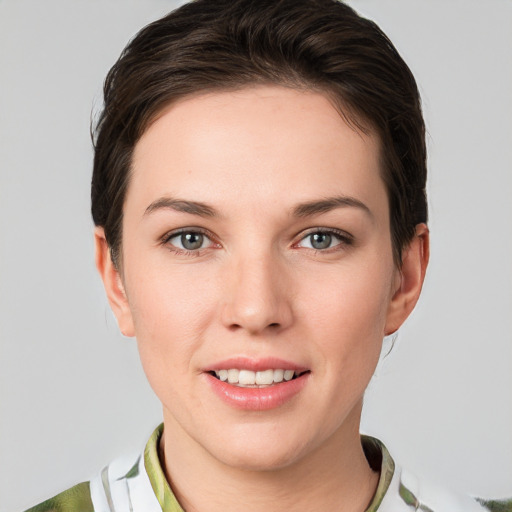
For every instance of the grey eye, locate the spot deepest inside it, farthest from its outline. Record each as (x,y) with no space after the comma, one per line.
(325,239)
(320,240)
(189,241)
(192,241)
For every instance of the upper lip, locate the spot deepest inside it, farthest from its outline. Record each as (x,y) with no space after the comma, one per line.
(256,365)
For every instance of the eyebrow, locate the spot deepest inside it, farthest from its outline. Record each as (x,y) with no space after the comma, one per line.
(307,209)
(326,205)
(181,205)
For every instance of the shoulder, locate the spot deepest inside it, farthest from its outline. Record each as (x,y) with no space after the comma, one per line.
(428,496)
(401,491)
(113,488)
(76,499)
(124,484)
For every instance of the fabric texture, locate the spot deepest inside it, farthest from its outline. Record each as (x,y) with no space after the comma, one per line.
(78,498)
(138,484)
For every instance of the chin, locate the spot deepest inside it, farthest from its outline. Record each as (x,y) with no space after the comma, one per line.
(257,461)
(260,452)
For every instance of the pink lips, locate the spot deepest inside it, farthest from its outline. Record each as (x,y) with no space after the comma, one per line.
(256,399)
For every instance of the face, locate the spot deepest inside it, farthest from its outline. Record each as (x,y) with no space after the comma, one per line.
(257,272)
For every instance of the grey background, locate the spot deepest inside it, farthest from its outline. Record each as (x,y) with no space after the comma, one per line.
(72,392)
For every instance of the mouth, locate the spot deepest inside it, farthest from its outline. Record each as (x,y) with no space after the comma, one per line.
(256,379)
(256,384)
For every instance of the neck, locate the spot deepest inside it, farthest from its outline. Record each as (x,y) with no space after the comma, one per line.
(334,476)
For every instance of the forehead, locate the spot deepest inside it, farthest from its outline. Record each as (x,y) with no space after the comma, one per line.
(265,143)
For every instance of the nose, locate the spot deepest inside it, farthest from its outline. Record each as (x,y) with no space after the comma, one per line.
(257,295)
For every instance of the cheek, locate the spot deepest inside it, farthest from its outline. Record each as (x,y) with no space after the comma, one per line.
(171,309)
(346,319)
(169,299)
(352,300)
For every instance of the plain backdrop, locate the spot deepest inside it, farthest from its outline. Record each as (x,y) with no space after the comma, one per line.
(72,392)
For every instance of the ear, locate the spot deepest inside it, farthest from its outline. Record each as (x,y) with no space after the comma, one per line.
(113,283)
(409,279)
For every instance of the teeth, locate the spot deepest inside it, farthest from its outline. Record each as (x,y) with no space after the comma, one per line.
(266,377)
(233,376)
(248,378)
(288,374)
(278,375)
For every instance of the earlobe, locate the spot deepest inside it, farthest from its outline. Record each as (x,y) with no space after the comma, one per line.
(113,283)
(410,280)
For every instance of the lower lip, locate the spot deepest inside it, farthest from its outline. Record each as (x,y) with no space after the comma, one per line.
(257,399)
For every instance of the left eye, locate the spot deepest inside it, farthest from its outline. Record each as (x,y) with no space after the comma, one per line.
(319,240)
(189,240)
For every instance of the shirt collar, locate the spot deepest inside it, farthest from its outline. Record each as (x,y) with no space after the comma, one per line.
(375,451)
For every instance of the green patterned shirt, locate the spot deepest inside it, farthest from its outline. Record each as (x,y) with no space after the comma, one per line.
(138,484)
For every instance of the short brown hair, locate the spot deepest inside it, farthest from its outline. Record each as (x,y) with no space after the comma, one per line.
(319,45)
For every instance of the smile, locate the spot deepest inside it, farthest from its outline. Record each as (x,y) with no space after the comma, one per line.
(255,379)
(256,384)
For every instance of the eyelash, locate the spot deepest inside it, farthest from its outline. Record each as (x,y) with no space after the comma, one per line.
(166,241)
(344,240)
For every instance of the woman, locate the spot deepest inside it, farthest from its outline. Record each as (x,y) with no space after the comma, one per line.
(259,197)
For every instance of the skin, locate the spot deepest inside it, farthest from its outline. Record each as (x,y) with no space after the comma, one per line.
(257,288)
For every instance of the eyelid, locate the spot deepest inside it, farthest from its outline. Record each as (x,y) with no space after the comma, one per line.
(178,231)
(165,239)
(344,237)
